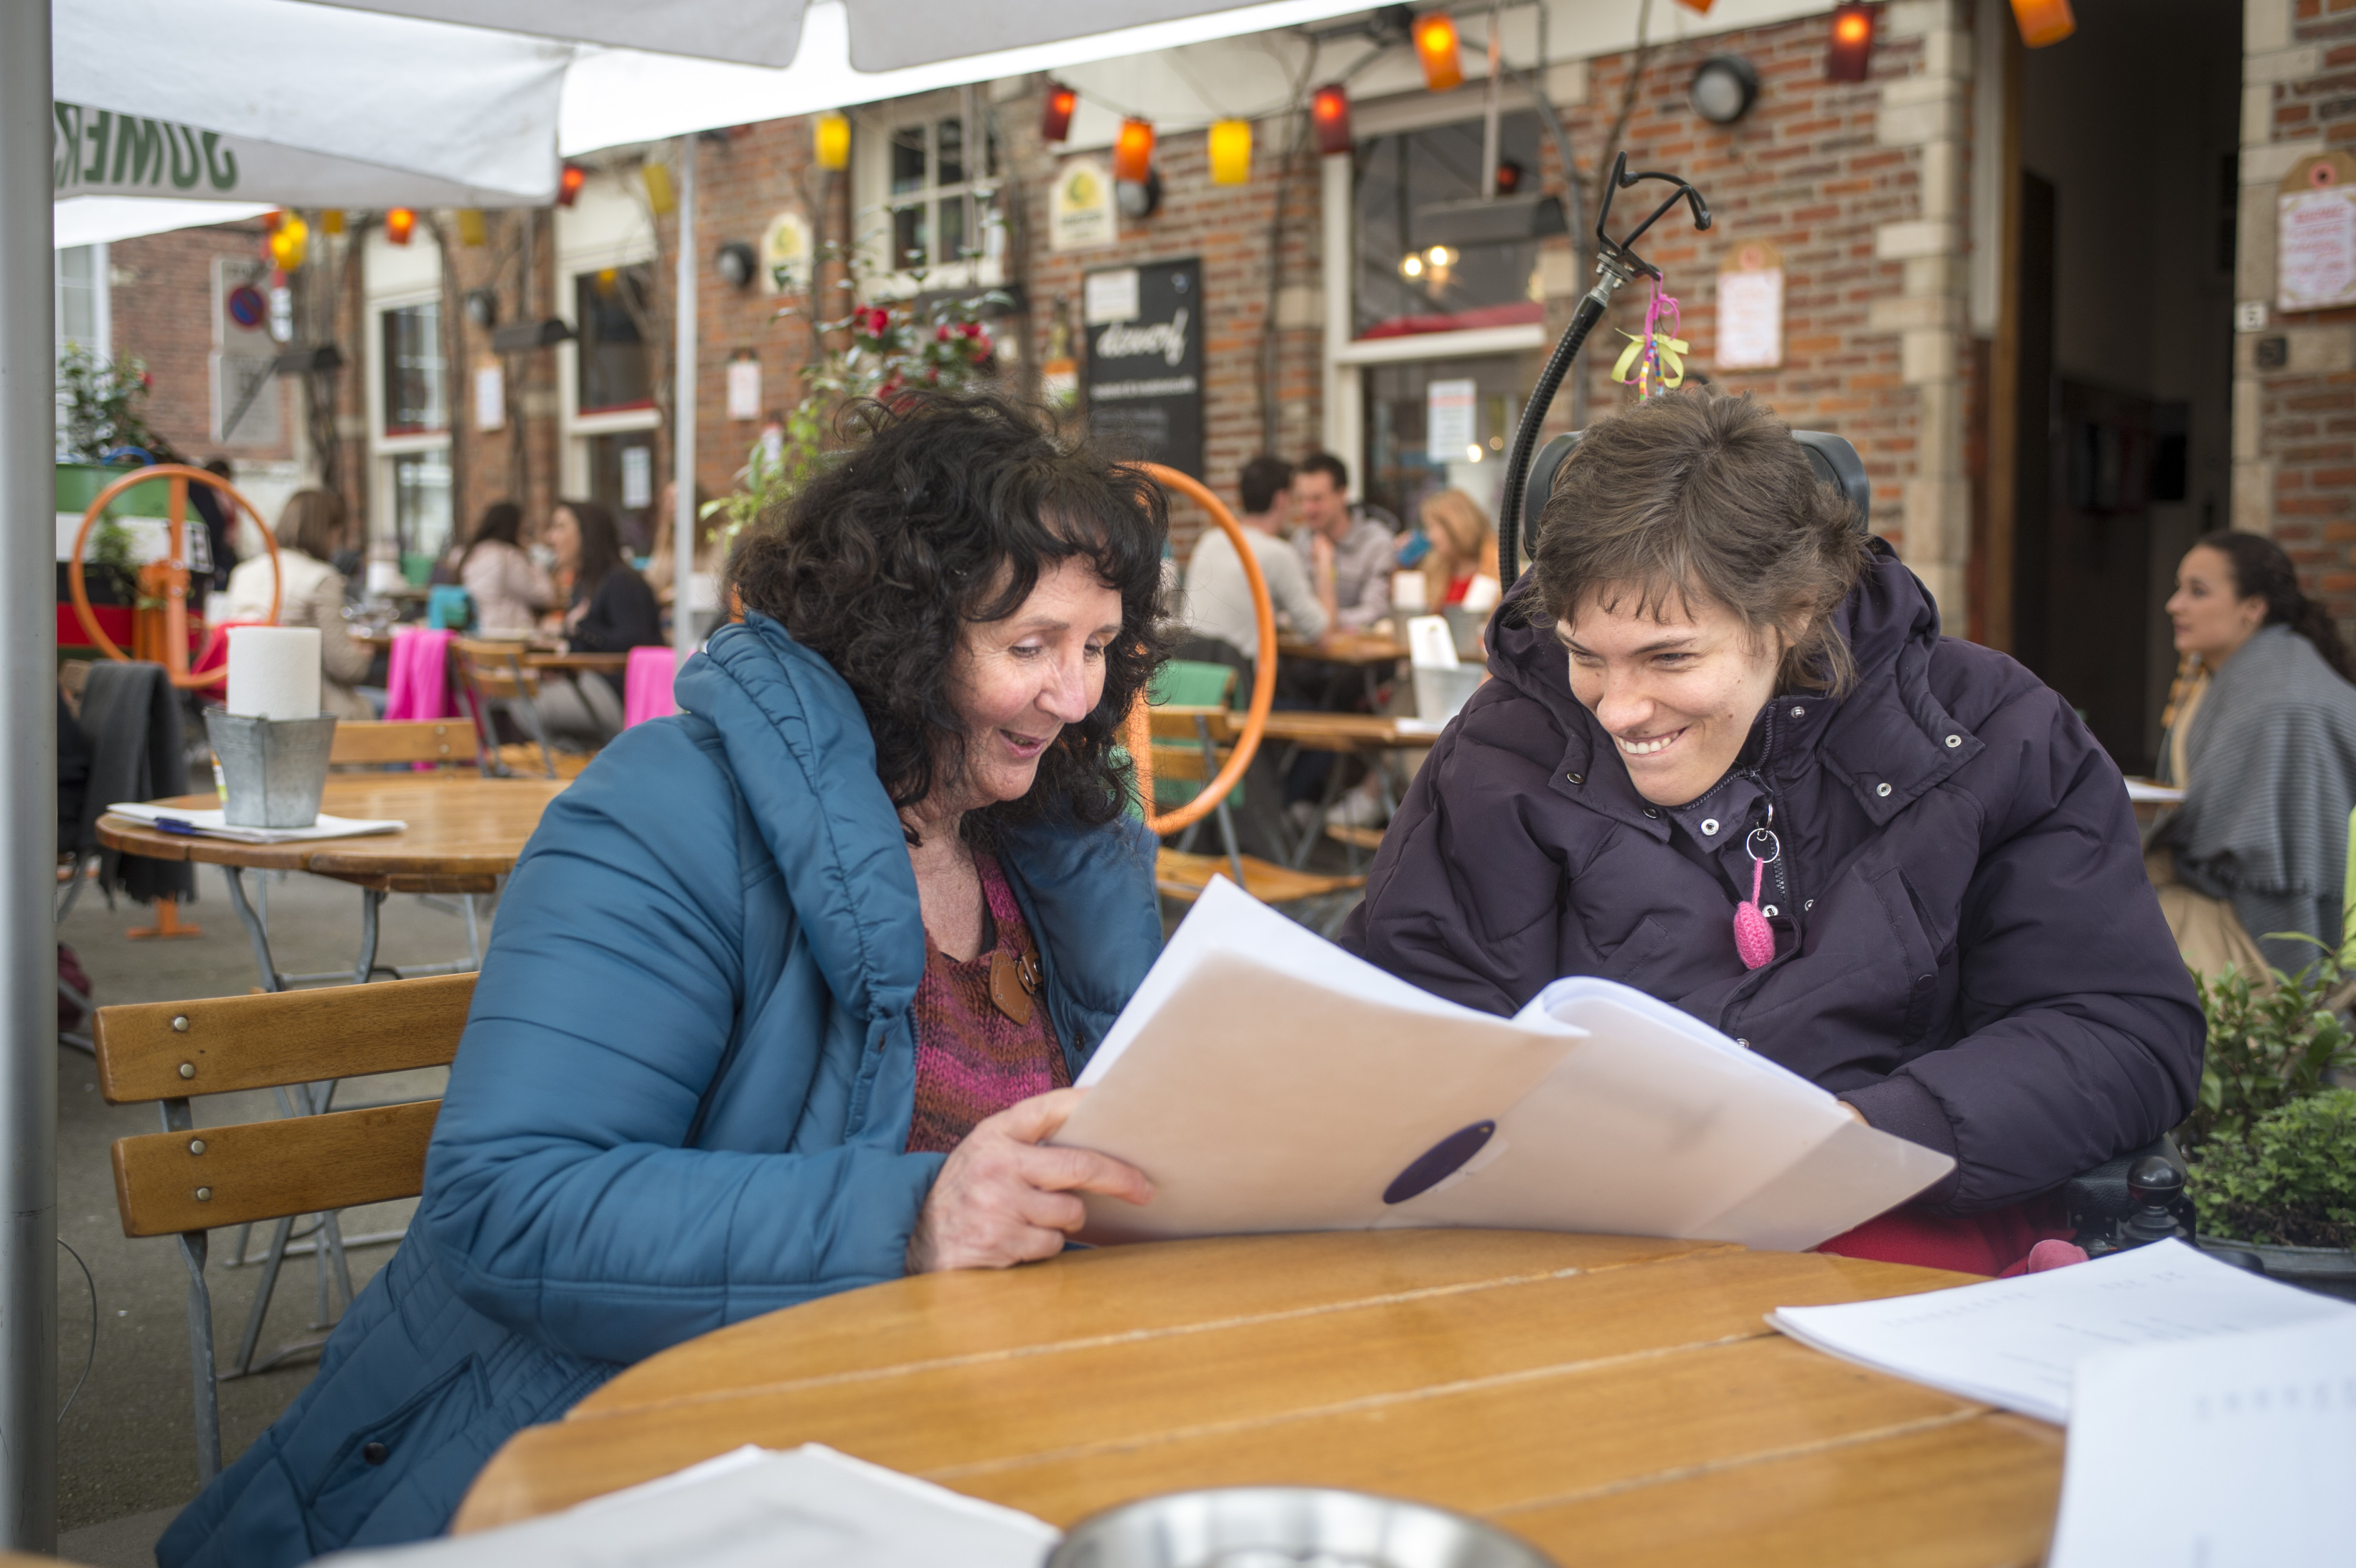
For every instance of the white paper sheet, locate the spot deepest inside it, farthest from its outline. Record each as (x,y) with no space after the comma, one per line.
(2234,1452)
(2143,791)
(211,824)
(1266,1080)
(753,1508)
(2018,1342)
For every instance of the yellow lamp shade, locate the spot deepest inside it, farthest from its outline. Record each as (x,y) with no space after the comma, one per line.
(331,221)
(1435,46)
(471,229)
(660,199)
(831,138)
(1230,152)
(2043,22)
(288,242)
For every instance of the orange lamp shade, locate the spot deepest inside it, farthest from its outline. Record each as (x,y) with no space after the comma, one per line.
(1851,58)
(1132,154)
(1699,8)
(2043,22)
(1230,152)
(1435,46)
(1055,118)
(569,184)
(288,242)
(831,139)
(399,224)
(1330,112)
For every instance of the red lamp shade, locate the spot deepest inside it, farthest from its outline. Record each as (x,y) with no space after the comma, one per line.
(1132,154)
(1330,112)
(399,224)
(569,184)
(2043,22)
(1055,118)
(1851,56)
(1435,46)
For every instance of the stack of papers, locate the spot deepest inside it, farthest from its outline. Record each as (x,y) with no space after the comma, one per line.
(209,824)
(1265,1080)
(2019,1343)
(755,1508)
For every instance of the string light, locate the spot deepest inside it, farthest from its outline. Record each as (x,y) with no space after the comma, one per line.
(2043,22)
(287,243)
(831,137)
(399,224)
(1330,112)
(1055,118)
(1851,57)
(1132,154)
(1230,152)
(569,184)
(1435,45)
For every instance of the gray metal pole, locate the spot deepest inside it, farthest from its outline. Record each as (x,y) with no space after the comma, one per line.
(28,814)
(684,518)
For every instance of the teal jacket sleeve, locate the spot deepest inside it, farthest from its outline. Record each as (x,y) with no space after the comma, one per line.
(560,1194)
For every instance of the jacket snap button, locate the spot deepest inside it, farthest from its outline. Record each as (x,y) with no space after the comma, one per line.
(1769,911)
(1744,1043)
(1881,790)
(1799,712)
(1653,813)
(1953,741)
(375,1453)
(1576,777)
(1709,826)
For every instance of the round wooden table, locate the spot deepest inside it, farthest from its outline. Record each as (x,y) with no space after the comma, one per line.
(1611,1400)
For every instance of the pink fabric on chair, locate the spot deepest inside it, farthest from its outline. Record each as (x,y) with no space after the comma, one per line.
(646,688)
(418,681)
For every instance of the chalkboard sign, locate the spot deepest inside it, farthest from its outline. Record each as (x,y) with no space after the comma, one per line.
(1144,374)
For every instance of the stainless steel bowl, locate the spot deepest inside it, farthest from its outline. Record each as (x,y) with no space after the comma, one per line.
(1287,1526)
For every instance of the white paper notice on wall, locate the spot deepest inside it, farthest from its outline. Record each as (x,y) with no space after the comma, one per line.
(637,476)
(2318,254)
(1751,310)
(1109,296)
(490,397)
(1449,418)
(744,389)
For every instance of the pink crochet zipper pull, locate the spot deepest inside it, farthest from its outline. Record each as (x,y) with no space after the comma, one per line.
(1754,938)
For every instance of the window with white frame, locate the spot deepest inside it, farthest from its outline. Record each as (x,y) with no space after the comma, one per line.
(82,299)
(416,372)
(928,174)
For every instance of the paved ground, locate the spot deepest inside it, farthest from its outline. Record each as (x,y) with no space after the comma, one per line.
(127,1461)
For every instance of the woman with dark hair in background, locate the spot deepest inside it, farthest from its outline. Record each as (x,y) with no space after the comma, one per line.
(613,611)
(805,1027)
(2263,744)
(508,587)
(311,529)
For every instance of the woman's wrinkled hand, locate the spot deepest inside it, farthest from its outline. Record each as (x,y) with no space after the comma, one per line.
(1005,1198)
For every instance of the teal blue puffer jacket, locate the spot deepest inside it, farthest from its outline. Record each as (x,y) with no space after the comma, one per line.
(681,1100)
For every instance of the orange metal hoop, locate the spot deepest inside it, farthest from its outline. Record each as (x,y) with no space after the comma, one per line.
(1140,726)
(176,589)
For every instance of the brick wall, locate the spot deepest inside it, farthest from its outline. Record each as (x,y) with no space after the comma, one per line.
(162,307)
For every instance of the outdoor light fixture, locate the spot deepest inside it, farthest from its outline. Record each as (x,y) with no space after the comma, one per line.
(1230,152)
(1851,56)
(331,221)
(661,199)
(569,184)
(399,224)
(737,264)
(1723,89)
(1055,118)
(2043,22)
(1435,46)
(831,137)
(471,231)
(1330,112)
(1139,197)
(483,307)
(1132,152)
(1411,266)
(288,242)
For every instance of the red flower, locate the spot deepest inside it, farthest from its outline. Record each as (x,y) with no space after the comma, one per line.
(973,329)
(875,322)
(941,333)
(147,378)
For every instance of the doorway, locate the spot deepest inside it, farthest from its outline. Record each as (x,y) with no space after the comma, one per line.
(2120,380)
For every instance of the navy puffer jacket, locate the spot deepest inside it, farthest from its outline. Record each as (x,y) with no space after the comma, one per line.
(1967,948)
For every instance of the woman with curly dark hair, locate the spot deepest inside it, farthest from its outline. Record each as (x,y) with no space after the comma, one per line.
(804,1025)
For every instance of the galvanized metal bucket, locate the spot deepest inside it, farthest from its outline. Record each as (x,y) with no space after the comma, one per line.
(274,769)
(1287,1526)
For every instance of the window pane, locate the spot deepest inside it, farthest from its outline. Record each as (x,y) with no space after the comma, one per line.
(993,223)
(622,480)
(952,245)
(1402,469)
(951,146)
(415,376)
(421,502)
(907,159)
(1412,279)
(908,237)
(616,371)
(78,298)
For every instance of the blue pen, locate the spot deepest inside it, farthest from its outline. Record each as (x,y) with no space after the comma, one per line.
(177,825)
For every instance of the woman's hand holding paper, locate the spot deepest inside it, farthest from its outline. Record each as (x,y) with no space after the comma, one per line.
(1002,1198)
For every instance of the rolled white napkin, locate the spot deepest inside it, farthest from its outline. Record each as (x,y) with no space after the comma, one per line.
(273,671)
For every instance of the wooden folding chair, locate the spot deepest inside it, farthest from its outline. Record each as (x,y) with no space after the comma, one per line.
(496,681)
(187,1180)
(446,742)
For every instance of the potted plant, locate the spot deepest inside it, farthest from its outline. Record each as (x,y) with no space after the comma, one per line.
(101,408)
(2271,1151)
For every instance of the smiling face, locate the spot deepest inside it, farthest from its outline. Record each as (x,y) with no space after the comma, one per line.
(564,536)
(1678,692)
(2208,618)
(1318,503)
(1018,681)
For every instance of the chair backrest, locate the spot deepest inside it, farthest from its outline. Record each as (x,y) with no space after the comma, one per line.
(189,1178)
(494,671)
(1188,709)
(404,740)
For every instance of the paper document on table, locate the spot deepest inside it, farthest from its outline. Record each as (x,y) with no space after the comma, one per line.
(2233,1452)
(1266,1080)
(211,825)
(806,1507)
(2018,1342)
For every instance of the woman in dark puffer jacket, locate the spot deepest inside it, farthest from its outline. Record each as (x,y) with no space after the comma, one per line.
(1709,669)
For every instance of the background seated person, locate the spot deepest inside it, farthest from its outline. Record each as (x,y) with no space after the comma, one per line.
(1218,597)
(1463,547)
(1350,555)
(1706,653)
(2264,746)
(743,1051)
(509,590)
(613,611)
(312,528)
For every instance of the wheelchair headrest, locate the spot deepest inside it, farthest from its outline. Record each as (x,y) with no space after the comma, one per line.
(1834,459)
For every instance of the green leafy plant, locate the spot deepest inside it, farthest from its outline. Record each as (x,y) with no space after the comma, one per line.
(110,554)
(102,405)
(2289,1179)
(2267,1050)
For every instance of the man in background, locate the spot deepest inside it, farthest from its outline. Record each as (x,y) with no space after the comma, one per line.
(1350,554)
(1218,596)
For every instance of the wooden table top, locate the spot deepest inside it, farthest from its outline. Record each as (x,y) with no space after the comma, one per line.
(1345,648)
(462,829)
(1611,1400)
